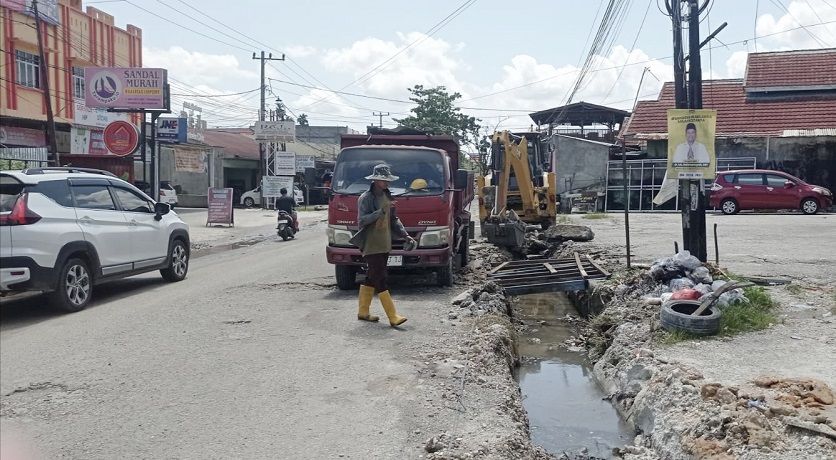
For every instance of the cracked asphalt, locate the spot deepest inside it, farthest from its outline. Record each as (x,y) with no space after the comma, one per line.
(254,355)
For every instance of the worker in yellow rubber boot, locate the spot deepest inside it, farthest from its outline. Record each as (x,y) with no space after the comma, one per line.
(378,225)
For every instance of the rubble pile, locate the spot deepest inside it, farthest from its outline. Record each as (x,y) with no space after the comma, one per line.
(478,301)
(483,258)
(555,240)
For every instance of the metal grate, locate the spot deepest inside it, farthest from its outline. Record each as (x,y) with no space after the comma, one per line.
(553,275)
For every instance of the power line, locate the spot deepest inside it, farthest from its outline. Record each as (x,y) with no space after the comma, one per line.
(215,95)
(818,40)
(632,47)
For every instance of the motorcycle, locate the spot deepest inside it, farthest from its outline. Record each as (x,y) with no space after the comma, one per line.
(285,227)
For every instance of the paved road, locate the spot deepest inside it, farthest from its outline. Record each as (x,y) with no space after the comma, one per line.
(792,245)
(255,355)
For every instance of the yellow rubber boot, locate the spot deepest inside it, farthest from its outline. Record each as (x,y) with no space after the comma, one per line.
(365,301)
(389,307)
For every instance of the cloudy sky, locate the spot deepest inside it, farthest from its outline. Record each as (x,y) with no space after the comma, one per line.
(506,59)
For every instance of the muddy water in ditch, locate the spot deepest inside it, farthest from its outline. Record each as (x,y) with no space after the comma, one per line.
(564,404)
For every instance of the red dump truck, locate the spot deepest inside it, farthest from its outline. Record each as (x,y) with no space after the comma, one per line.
(436,215)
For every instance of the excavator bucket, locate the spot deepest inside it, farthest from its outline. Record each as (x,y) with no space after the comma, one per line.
(507,234)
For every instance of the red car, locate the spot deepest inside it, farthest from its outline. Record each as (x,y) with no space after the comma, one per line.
(765,189)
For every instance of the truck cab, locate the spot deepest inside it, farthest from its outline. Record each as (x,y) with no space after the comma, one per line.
(431,199)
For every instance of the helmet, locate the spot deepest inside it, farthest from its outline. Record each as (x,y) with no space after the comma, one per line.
(418,184)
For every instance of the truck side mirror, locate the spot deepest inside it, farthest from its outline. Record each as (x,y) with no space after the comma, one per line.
(462,181)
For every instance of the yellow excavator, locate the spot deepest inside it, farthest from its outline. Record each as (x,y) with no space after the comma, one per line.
(518,188)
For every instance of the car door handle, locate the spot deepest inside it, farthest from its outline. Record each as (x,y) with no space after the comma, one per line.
(86,220)
(737,187)
(134,223)
(770,189)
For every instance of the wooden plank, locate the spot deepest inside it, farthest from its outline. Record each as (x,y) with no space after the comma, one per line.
(531,279)
(550,268)
(580,266)
(600,269)
(500,267)
(515,263)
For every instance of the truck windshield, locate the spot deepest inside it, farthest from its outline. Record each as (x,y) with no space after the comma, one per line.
(420,172)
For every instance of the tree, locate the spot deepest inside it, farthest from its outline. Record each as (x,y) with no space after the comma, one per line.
(302,119)
(436,113)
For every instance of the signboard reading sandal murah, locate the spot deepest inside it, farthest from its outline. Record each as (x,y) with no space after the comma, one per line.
(125,87)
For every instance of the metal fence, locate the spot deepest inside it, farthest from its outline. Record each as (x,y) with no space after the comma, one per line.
(645,180)
(15,158)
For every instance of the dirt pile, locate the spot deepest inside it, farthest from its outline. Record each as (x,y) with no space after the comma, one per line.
(483,258)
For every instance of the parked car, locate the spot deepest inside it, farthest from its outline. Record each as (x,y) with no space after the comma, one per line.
(249,199)
(167,193)
(733,191)
(65,230)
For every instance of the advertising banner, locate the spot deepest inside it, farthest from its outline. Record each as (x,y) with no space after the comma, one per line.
(173,130)
(304,162)
(691,143)
(220,206)
(121,138)
(125,87)
(275,131)
(96,118)
(192,162)
(23,137)
(87,141)
(47,9)
(285,163)
(271,186)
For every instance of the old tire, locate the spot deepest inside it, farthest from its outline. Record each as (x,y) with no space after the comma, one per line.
(346,276)
(178,262)
(444,275)
(74,288)
(249,202)
(676,316)
(729,207)
(809,206)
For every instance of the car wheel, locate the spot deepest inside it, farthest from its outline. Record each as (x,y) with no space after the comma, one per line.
(809,206)
(75,286)
(178,262)
(346,276)
(249,202)
(729,206)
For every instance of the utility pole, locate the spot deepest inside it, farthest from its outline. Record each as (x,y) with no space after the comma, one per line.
(44,74)
(380,115)
(262,108)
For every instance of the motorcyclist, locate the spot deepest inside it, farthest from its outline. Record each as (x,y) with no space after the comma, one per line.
(287,204)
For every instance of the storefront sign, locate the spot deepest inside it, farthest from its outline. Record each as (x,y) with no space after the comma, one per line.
(271,186)
(97,118)
(691,144)
(22,137)
(220,206)
(173,130)
(47,9)
(121,138)
(125,87)
(305,161)
(275,131)
(285,163)
(191,162)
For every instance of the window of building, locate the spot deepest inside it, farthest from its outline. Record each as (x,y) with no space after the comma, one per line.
(78,82)
(28,69)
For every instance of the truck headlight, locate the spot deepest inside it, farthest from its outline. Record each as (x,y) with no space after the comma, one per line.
(338,235)
(435,237)
(822,191)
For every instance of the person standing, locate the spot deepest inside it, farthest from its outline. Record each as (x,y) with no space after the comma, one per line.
(378,225)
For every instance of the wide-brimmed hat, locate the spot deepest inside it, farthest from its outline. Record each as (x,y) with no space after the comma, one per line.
(382,172)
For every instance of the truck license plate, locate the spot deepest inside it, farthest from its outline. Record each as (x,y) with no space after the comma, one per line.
(395,261)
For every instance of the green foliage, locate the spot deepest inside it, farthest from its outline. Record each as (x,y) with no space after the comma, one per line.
(672,337)
(436,113)
(302,119)
(794,289)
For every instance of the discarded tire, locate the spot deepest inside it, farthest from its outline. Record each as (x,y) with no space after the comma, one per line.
(676,316)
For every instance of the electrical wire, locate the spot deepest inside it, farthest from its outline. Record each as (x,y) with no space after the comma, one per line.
(632,47)
(815,37)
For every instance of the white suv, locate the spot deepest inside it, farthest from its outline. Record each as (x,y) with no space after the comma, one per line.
(64,230)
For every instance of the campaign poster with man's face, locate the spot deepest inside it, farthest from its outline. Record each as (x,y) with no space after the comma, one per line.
(691,143)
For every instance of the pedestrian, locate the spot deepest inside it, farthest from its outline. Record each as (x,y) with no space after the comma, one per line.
(378,225)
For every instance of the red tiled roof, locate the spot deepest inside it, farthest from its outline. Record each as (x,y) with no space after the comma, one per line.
(235,142)
(735,115)
(791,69)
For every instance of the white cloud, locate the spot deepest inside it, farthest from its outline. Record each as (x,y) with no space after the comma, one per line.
(808,13)
(300,51)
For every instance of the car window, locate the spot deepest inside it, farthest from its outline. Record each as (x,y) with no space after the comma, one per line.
(774,180)
(750,179)
(131,202)
(730,178)
(57,190)
(10,188)
(93,197)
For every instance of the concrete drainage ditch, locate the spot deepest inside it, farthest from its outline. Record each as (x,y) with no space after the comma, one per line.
(567,409)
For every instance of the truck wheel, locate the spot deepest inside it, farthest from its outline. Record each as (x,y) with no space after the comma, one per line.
(464,253)
(676,315)
(346,276)
(445,274)
(74,288)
